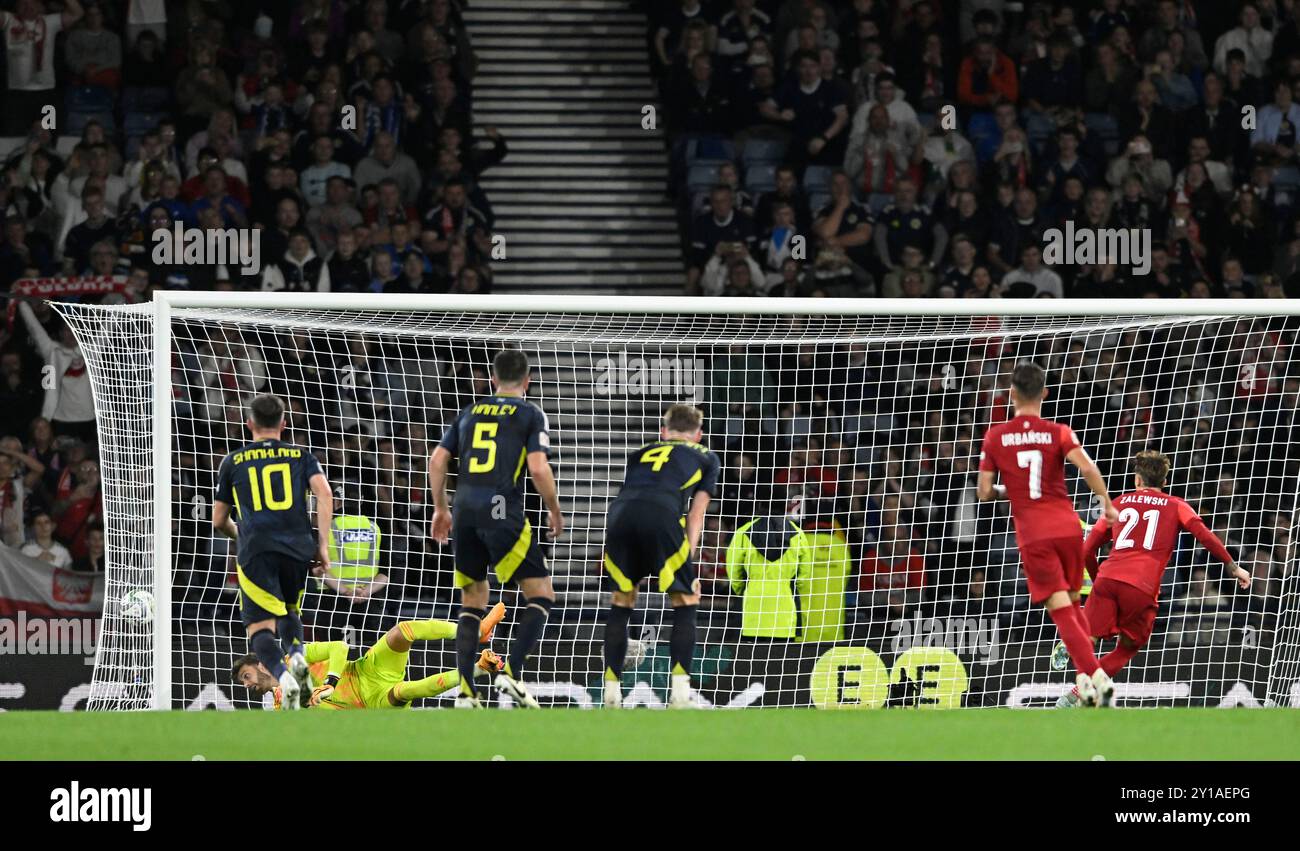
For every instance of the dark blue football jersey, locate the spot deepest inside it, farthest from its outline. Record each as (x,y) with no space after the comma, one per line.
(669,473)
(268,484)
(492,439)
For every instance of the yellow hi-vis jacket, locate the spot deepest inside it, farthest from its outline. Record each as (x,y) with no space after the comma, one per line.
(354,550)
(764,559)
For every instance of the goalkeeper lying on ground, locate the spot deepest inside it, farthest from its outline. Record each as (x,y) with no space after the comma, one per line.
(377,679)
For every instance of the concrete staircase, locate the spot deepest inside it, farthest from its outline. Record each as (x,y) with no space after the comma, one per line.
(580,196)
(591,438)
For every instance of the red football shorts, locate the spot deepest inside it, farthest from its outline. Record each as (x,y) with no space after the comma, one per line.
(1051,565)
(1117,608)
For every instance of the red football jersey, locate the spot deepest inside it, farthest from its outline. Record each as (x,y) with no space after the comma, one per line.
(1029,453)
(1145,537)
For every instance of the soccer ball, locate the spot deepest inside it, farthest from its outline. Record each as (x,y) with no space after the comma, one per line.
(137,606)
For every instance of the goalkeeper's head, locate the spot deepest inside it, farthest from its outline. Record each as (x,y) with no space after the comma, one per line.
(266,416)
(1028,385)
(511,370)
(1150,469)
(248,672)
(683,422)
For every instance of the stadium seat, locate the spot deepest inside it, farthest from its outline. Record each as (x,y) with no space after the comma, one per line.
(136,124)
(817,179)
(86,103)
(760,177)
(702,177)
(817,200)
(762,152)
(708,150)
(145,98)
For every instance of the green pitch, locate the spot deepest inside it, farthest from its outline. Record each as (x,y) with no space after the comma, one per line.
(773,734)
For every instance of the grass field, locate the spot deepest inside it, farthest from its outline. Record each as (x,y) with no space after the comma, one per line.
(774,734)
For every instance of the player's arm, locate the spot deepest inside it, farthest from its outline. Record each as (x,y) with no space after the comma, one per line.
(539,468)
(320,488)
(337,654)
(222,522)
(737,556)
(439,460)
(1192,522)
(987,489)
(1078,456)
(986,486)
(1092,545)
(695,519)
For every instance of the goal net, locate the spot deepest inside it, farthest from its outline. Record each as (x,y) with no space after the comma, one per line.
(857,422)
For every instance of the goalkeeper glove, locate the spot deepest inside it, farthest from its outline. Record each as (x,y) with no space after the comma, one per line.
(323,691)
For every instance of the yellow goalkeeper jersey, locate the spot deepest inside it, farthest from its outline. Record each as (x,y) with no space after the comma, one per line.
(363,683)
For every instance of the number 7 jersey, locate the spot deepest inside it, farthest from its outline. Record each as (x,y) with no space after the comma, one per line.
(1029,454)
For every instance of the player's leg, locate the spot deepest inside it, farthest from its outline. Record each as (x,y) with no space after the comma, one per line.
(472,561)
(1070,552)
(622,561)
(1100,617)
(1136,618)
(406,633)
(677,580)
(293,583)
(621,606)
(1046,573)
(518,558)
(261,605)
(402,693)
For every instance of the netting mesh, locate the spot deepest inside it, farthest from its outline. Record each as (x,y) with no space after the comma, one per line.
(865,429)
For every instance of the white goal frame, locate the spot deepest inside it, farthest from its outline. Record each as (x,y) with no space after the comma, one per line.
(166,301)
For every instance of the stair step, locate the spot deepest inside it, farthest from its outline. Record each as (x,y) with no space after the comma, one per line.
(540,229)
(483,105)
(517,56)
(593,41)
(489,16)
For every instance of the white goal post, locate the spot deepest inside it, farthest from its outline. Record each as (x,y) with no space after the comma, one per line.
(857,420)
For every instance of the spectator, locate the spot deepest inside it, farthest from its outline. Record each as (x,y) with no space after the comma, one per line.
(1255,42)
(94,559)
(42,544)
(299,269)
(892,564)
(79,510)
(29,37)
(987,77)
(385,160)
(1032,279)
(905,222)
(815,111)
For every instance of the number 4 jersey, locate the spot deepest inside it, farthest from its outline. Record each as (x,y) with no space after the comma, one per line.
(1029,454)
(268,484)
(1144,538)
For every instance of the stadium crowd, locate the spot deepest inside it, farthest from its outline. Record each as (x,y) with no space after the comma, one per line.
(922,148)
(788,118)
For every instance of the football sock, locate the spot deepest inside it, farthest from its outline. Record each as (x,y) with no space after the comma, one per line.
(528,633)
(405,692)
(1069,623)
(1114,661)
(428,630)
(467,646)
(616,641)
(289,629)
(267,647)
(682,647)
